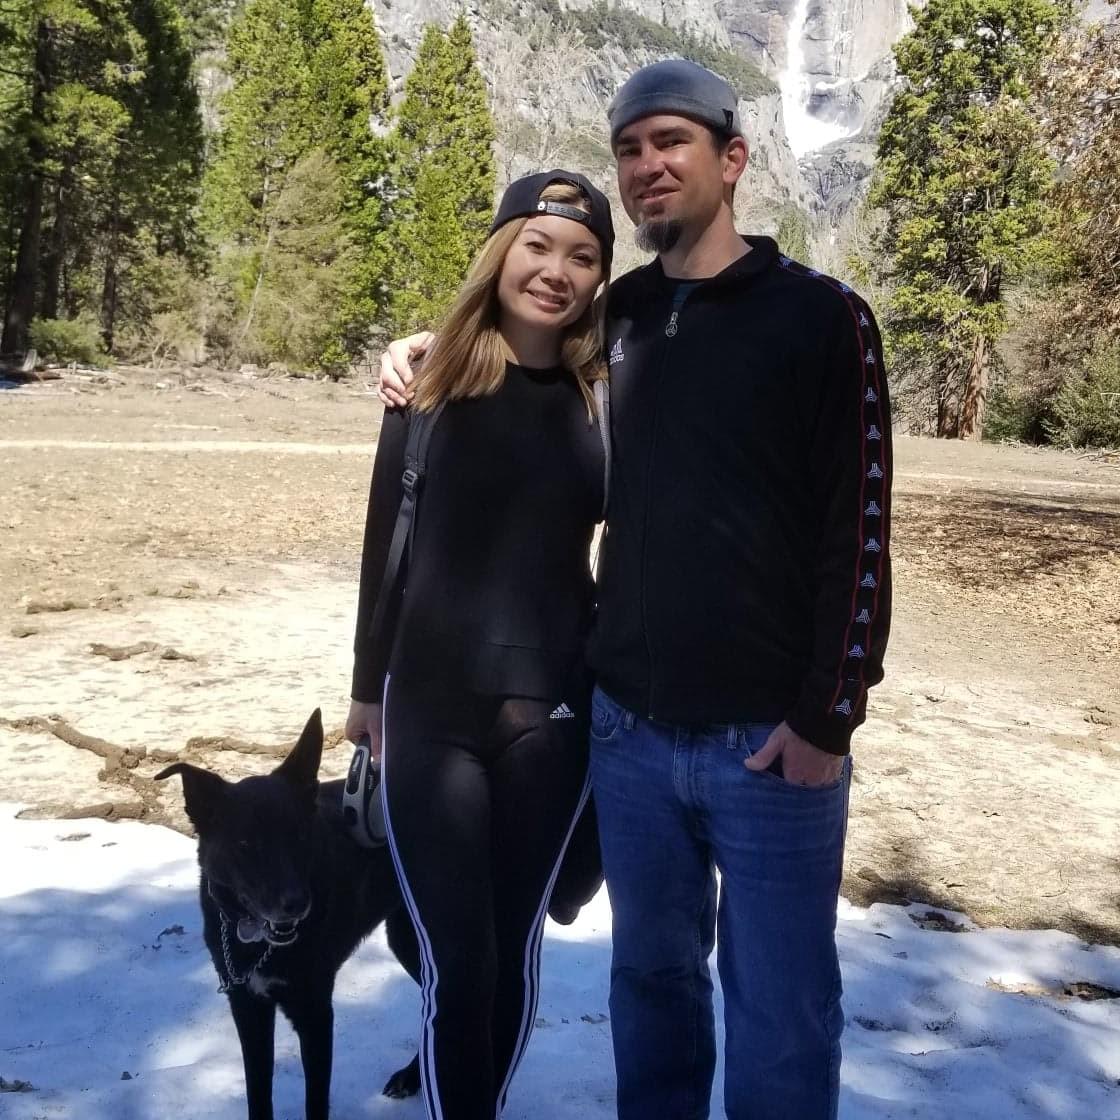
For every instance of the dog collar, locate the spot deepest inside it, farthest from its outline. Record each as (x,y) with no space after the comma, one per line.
(253,931)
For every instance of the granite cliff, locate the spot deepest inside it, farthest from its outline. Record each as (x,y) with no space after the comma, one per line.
(814,77)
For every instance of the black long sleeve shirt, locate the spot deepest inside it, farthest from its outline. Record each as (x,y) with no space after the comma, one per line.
(745,574)
(498,592)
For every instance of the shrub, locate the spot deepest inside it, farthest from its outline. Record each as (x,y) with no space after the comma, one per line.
(793,234)
(68,340)
(1013,417)
(1087,407)
(166,311)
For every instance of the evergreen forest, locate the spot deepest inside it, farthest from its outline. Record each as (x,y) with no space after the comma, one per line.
(239,182)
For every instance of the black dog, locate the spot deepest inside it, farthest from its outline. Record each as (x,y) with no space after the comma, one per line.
(287,895)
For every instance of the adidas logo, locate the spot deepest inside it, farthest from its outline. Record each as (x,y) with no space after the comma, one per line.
(844,707)
(875,471)
(872,545)
(616,353)
(874,433)
(563,712)
(856,652)
(868,581)
(864,616)
(873,509)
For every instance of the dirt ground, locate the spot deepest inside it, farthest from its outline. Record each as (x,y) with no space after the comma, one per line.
(178,562)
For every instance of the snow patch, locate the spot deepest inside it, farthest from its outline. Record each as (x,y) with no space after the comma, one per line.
(103,972)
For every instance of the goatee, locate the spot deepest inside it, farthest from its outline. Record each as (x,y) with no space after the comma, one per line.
(658,236)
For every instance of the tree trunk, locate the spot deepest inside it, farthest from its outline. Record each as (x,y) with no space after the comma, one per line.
(948,412)
(25,283)
(256,292)
(10,244)
(270,230)
(56,249)
(109,286)
(975,393)
(976,380)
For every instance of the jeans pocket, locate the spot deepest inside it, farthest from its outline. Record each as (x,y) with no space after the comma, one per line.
(606,718)
(752,738)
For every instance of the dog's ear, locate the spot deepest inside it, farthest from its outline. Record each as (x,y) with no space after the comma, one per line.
(203,791)
(301,767)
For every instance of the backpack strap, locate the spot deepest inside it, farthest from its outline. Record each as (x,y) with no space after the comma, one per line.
(602,393)
(420,427)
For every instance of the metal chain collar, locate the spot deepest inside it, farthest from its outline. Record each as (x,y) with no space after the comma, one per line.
(231,979)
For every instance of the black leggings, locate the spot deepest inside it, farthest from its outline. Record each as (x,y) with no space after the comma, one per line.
(481,796)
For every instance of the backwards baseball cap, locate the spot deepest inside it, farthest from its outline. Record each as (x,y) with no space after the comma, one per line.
(680,88)
(522,199)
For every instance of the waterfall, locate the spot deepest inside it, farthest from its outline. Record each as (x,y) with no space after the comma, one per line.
(806,133)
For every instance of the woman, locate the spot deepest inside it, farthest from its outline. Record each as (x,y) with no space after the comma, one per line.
(477,699)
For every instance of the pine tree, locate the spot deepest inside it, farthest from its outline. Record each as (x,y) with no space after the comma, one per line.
(266,124)
(349,85)
(1065,375)
(149,208)
(310,262)
(76,58)
(308,77)
(442,176)
(961,179)
(206,22)
(104,142)
(793,234)
(1081,108)
(16,37)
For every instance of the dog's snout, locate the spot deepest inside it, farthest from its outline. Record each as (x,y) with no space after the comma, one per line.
(294,904)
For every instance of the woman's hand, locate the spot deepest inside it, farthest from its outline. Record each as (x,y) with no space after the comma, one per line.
(365,719)
(394,385)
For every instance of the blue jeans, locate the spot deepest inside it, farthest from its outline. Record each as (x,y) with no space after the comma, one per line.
(674,805)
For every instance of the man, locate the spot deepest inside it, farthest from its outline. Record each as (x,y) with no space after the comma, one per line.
(743,614)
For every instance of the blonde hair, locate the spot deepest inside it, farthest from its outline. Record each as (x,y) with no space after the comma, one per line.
(469,358)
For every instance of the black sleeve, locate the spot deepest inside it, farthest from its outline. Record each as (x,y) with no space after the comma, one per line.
(851,465)
(371,659)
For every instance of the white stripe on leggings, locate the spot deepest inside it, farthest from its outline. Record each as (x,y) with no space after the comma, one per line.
(532,959)
(428,973)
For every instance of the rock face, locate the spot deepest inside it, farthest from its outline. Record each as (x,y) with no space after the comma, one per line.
(697,17)
(843,52)
(773,178)
(758,29)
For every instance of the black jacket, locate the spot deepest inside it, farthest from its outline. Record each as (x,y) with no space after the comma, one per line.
(745,573)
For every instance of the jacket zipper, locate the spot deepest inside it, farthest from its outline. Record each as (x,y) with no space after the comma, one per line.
(671,329)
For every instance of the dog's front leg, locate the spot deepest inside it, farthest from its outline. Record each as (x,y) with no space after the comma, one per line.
(313,1022)
(255,1019)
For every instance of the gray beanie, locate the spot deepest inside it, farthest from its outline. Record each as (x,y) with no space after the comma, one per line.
(680,88)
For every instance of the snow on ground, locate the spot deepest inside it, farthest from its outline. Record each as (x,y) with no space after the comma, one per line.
(97,981)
